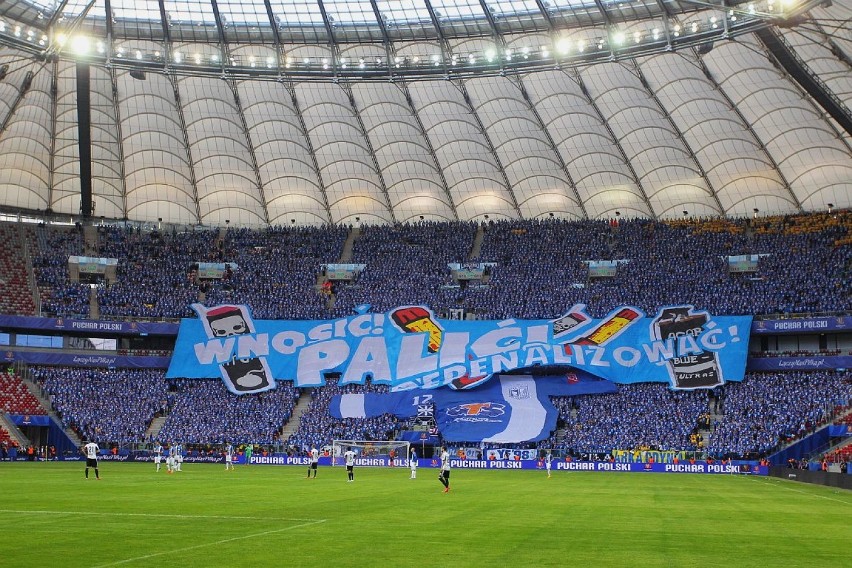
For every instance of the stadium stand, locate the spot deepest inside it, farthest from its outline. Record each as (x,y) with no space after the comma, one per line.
(773,408)
(154,277)
(318,428)
(204,412)
(52,245)
(278,269)
(15,296)
(109,405)
(540,268)
(15,398)
(539,273)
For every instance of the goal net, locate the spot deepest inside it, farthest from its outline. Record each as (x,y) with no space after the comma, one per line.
(391,453)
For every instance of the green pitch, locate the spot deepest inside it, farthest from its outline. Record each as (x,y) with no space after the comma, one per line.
(273,516)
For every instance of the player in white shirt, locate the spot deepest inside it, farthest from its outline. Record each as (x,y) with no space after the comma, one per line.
(349,458)
(91,450)
(314,461)
(412,462)
(170,458)
(229,457)
(158,455)
(547,459)
(178,457)
(444,476)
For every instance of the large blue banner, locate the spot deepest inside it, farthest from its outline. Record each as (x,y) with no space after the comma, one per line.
(410,348)
(508,409)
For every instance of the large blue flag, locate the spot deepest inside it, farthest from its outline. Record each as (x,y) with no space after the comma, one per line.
(507,409)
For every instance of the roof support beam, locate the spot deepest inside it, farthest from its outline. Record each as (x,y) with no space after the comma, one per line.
(552,143)
(223,44)
(442,40)
(680,135)
(747,125)
(291,88)
(56,15)
(332,43)
(347,88)
(167,34)
(579,79)
(54,112)
(437,163)
(190,163)
(275,33)
(116,109)
(463,90)
(805,78)
(545,14)
(388,47)
(250,145)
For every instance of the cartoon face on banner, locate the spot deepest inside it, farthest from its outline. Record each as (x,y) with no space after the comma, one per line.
(225,321)
(247,375)
(242,375)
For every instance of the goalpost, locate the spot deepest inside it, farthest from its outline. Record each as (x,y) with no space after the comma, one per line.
(372,452)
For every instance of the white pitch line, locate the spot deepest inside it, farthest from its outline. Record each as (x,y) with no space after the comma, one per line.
(197,546)
(155,515)
(788,488)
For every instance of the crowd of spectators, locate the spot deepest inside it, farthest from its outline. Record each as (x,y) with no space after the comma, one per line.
(540,267)
(277,270)
(317,427)
(109,405)
(406,265)
(539,272)
(772,408)
(743,419)
(154,274)
(202,412)
(50,248)
(639,414)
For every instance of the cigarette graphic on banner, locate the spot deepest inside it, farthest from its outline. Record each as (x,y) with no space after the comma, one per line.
(608,330)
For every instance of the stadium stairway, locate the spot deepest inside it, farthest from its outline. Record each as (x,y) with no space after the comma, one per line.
(13,431)
(154,428)
(346,254)
(476,247)
(94,309)
(296,418)
(36,391)
(90,240)
(31,279)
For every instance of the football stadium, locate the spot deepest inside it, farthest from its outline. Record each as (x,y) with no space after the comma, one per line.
(425,282)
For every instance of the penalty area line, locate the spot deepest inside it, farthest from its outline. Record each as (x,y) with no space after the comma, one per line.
(218,542)
(150,515)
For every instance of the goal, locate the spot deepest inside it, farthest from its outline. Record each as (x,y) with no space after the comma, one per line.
(372,452)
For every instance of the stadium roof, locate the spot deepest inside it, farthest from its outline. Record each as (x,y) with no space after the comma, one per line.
(378,111)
